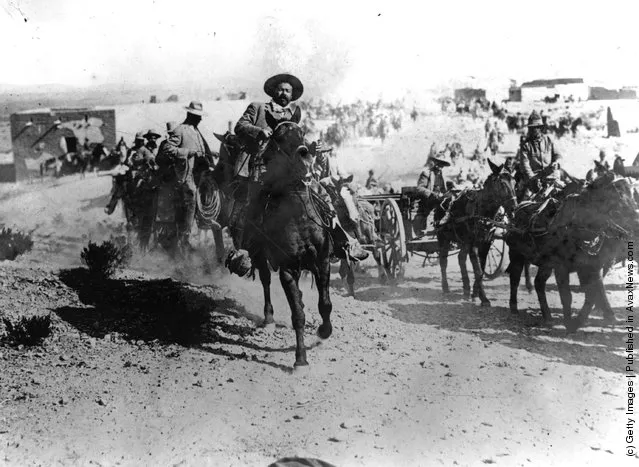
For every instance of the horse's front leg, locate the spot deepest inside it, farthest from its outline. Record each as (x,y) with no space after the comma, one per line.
(462,256)
(478,285)
(562,276)
(219,245)
(595,295)
(543,274)
(322,278)
(514,272)
(265,279)
(529,285)
(346,272)
(289,278)
(444,247)
(381,271)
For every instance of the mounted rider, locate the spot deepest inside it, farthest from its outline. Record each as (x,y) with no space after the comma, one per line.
(432,187)
(254,130)
(538,157)
(328,172)
(187,153)
(126,172)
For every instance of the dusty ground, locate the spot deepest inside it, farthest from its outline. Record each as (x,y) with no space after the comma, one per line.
(164,365)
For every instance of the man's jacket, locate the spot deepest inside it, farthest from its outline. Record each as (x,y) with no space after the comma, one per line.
(175,152)
(536,155)
(257,117)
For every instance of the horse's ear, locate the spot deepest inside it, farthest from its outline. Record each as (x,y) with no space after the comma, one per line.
(297,115)
(348,179)
(494,168)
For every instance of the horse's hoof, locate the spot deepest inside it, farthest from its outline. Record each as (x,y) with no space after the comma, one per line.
(301,368)
(445,289)
(268,327)
(325,331)
(485,303)
(571,326)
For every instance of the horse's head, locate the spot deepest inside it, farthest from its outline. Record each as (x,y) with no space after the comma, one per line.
(287,156)
(500,187)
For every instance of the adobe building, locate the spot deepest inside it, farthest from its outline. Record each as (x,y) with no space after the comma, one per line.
(469,94)
(42,134)
(563,88)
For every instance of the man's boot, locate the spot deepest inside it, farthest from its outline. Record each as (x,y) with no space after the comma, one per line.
(239,261)
(346,247)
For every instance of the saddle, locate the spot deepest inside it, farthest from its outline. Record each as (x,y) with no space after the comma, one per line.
(535,216)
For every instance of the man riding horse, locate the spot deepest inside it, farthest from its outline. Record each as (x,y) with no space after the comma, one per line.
(538,157)
(432,188)
(188,154)
(254,130)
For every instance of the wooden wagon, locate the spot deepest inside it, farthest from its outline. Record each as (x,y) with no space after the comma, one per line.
(398,222)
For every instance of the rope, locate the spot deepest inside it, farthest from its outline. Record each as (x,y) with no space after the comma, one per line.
(208,203)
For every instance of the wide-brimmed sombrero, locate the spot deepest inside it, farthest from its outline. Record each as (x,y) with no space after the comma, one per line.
(271,85)
(535,119)
(152,133)
(195,108)
(441,160)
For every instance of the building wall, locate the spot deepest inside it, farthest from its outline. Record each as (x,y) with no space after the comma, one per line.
(42,139)
(514,94)
(577,90)
(469,94)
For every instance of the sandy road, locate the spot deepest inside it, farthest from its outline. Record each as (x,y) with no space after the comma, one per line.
(409,377)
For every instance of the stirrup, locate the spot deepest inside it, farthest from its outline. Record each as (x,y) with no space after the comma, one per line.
(238,262)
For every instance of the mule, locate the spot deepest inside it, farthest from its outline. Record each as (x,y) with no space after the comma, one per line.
(584,233)
(470,228)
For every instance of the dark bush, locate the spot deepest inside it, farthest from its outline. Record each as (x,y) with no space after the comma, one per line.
(14,243)
(28,331)
(105,259)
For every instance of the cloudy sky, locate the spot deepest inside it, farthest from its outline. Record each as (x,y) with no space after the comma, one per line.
(340,46)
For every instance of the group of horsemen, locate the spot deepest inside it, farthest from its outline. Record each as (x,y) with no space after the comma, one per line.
(184,157)
(535,165)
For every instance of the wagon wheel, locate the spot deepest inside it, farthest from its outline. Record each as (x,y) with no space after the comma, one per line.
(495,259)
(393,237)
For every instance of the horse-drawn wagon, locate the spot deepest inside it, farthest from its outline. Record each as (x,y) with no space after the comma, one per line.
(400,227)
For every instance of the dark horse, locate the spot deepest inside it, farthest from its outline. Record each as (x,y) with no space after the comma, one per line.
(470,227)
(294,233)
(584,233)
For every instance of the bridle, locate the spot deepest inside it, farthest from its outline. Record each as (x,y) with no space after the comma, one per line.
(499,178)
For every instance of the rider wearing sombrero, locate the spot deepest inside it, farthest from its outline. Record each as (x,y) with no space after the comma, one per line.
(538,156)
(254,130)
(431,185)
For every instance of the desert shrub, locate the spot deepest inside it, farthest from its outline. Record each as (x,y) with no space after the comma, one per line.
(28,331)
(105,259)
(14,243)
